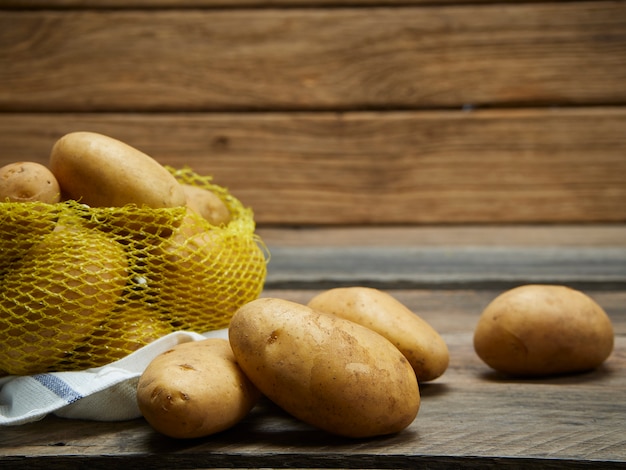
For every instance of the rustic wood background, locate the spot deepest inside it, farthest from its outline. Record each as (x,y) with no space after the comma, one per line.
(321,112)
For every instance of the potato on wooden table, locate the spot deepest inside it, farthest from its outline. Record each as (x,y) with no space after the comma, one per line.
(195,389)
(329,372)
(540,330)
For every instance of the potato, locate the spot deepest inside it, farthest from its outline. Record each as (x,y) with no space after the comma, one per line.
(195,389)
(424,348)
(101,171)
(326,371)
(199,266)
(539,330)
(28,182)
(56,295)
(207,204)
(130,327)
(190,244)
(21,227)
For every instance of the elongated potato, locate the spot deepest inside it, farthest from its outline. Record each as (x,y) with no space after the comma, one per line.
(326,371)
(28,182)
(195,389)
(101,171)
(416,339)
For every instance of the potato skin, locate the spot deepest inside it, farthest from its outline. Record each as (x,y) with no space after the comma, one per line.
(63,288)
(21,227)
(540,330)
(326,371)
(207,204)
(424,348)
(208,267)
(129,327)
(101,171)
(195,389)
(28,182)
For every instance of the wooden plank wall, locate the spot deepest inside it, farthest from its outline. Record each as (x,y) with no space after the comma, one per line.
(339,112)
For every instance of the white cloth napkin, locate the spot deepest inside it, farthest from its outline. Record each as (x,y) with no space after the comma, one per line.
(106,393)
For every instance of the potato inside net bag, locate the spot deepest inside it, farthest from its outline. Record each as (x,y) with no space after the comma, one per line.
(82,287)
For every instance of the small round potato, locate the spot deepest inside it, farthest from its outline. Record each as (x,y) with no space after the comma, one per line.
(100,171)
(195,389)
(329,372)
(416,339)
(207,204)
(539,330)
(28,182)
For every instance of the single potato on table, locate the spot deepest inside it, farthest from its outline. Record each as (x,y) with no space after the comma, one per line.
(329,372)
(540,330)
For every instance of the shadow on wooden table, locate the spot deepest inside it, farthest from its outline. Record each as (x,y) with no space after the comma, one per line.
(604,372)
(270,426)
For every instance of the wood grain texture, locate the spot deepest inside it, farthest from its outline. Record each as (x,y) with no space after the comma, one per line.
(445,267)
(313,58)
(454,257)
(452,236)
(149,4)
(485,166)
(469,418)
(587,257)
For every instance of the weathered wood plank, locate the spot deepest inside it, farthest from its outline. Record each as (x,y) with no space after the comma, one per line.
(447,257)
(97,4)
(299,59)
(500,236)
(486,166)
(445,267)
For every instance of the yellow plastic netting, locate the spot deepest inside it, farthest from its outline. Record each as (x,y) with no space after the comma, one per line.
(81,287)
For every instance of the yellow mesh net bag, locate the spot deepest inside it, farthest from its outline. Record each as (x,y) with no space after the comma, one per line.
(81,287)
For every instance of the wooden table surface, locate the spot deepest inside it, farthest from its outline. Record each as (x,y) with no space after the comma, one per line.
(469,418)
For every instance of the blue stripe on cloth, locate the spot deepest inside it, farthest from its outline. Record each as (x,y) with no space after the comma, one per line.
(59,387)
